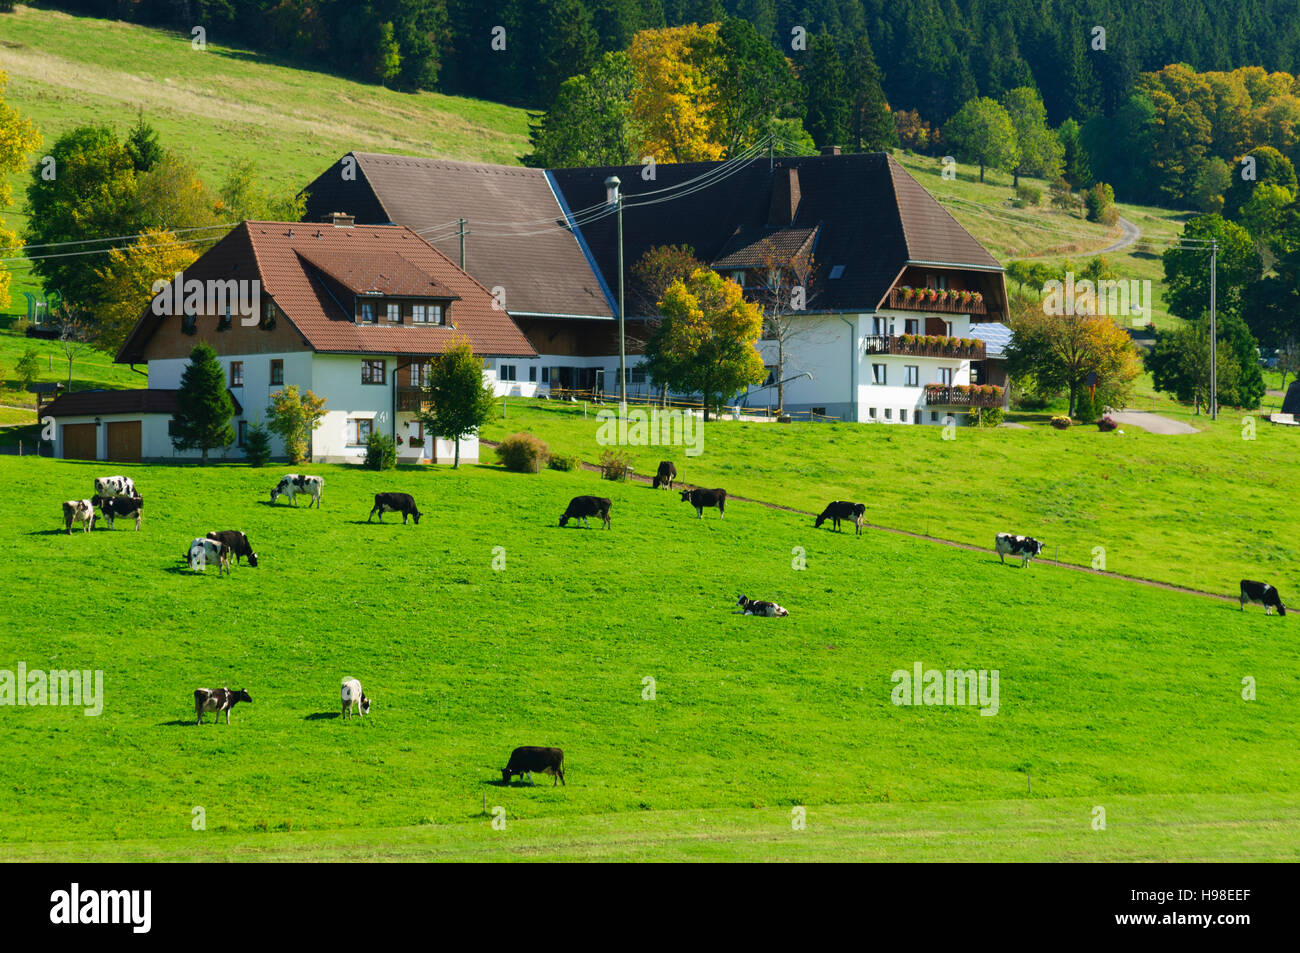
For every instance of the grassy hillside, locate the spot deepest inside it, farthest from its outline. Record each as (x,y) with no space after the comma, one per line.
(1111,694)
(1180,509)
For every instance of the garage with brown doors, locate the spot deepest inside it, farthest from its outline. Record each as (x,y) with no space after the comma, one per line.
(79,442)
(124,441)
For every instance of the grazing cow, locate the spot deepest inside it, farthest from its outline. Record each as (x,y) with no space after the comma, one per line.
(218,700)
(702,498)
(755,607)
(354,698)
(291,484)
(1262,593)
(237,543)
(204,551)
(666,475)
(580,507)
(115,506)
(1026,547)
(528,759)
(842,510)
(79,511)
(114,486)
(402,503)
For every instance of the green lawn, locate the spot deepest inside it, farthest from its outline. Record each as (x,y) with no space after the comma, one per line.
(1111,694)
(1202,510)
(90,369)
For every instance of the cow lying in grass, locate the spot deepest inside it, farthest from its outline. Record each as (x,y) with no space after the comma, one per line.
(842,510)
(203,551)
(402,503)
(528,759)
(755,607)
(1264,594)
(218,700)
(79,511)
(666,475)
(580,507)
(236,543)
(702,498)
(115,506)
(353,698)
(1026,547)
(291,484)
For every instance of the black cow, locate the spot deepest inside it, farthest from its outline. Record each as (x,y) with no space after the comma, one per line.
(237,543)
(580,507)
(402,503)
(1026,547)
(759,607)
(528,759)
(115,506)
(1262,593)
(702,498)
(218,700)
(666,475)
(842,510)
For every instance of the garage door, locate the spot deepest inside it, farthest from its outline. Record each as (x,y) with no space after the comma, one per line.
(124,441)
(79,442)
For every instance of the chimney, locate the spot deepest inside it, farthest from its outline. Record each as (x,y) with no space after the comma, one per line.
(785,197)
(830,150)
(340,219)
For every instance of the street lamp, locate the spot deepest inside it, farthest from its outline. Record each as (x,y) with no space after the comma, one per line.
(615,198)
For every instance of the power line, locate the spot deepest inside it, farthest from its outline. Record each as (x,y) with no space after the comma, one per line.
(118,238)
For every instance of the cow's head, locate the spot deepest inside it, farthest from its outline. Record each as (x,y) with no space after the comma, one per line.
(821,519)
(564,520)
(1037,546)
(365,704)
(415,515)
(96,500)
(686,496)
(656,482)
(742,602)
(239,695)
(252,560)
(505,775)
(275,493)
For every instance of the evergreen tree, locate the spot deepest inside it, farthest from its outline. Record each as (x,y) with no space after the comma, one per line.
(142,145)
(871,122)
(1075,166)
(825,93)
(202,420)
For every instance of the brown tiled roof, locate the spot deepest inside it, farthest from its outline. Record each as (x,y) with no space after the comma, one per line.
(380,273)
(283,256)
(517,235)
(94,403)
(748,248)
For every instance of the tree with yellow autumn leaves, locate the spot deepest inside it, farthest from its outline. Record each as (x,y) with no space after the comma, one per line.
(18,137)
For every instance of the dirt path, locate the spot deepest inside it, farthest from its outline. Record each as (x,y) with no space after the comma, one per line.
(1131,233)
(1154,583)
(1152,423)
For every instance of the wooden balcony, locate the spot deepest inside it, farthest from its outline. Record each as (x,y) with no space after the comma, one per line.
(411,399)
(944,303)
(987,395)
(925,345)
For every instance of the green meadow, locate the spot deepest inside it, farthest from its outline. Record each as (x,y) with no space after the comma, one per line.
(689,732)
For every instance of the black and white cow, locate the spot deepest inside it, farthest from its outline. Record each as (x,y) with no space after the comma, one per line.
(79,511)
(115,506)
(203,551)
(527,759)
(666,475)
(842,510)
(291,484)
(114,486)
(354,698)
(1264,594)
(218,700)
(237,543)
(580,507)
(1025,547)
(755,607)
(702,498)
(402,503)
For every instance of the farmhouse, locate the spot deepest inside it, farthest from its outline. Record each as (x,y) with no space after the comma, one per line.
(352,312)
(894,293)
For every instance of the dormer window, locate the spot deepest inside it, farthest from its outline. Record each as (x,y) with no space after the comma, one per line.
(394,313)
(268,316)
(224,323)
(189,322)
(367,312)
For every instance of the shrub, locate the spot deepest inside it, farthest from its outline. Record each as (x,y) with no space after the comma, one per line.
(1085,411)
(523,453)
(1107,423)
(28,367)
(257,445)
(988,417)
(563,461)
(381,452)
(1028,194)
(1061,423)
(615,464)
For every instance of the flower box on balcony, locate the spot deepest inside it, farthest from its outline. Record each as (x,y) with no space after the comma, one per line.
(416,443)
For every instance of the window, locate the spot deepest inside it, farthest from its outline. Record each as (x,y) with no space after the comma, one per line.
(420,374)
(881,325)
(243,433)
(368,312)
(947,328)
(188,322)
(879,374)
(837,271)
(934,416)
(738,277)
(417,314)
(945,376)
(236,373)
(902,415)
(277,371)
(506,372)
(912,326)
(224,323)
(912,373)
(435,314)
(268,316)
(359,432)
(546,375)
(638,374)
(871,412)
(889,413)
(532,373)
(372,372)
(394,313)
(819,411)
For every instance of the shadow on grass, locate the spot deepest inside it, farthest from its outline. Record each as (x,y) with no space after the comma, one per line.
(54,532)
(321,716)
(177,723)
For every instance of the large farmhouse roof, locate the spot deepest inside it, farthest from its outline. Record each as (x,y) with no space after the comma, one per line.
(99,403)
(292,261)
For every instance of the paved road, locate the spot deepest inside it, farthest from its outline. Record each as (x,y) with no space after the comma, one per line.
(1131,234)
(1152,423)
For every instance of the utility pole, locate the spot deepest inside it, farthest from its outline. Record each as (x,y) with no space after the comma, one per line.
(462,223)
(613,196)
(1214,335)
